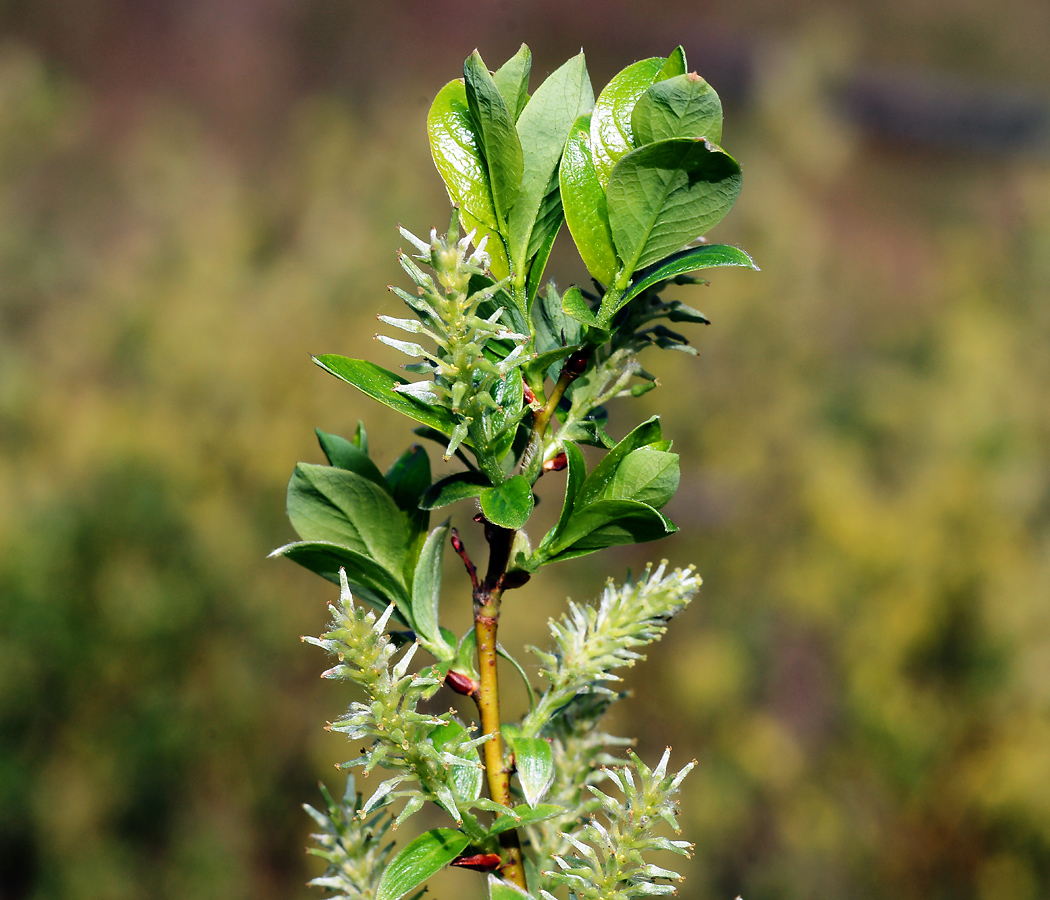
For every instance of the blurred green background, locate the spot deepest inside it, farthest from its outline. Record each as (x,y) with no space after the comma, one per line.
(194,196)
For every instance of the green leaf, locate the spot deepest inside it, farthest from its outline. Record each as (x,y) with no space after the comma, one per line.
(575,475)
(583,200)
(554,330)
(427,854)
(682,106)
(500,146)
(675,64)
(456,150)
(460,486)
(509,504)
(512,79)
(646,475)
(649,432)
(543,128)
(409,477)
(535,764)
(368,580)
(426,592)
(361,437)
(337,506)
(575,306)
(704,257)
(611,136)
(505,890)
(466,779)
(525,815)
(343,454)
(379,383)
(539,264)
(607,523)
(665,194)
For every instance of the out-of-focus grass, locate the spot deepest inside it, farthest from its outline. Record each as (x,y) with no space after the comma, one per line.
(865,491)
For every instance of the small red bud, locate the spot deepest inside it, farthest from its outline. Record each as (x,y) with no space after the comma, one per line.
(479,862)
(526,391)
(460,683)
(576,364)
(557,464)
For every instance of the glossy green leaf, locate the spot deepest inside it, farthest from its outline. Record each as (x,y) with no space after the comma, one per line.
(510,504)
(663,195)
(460,486)
(682,106)
(583,201)
(607,523)
(646,475)
(707,256)
(535,765)
(648,432)
(368,580)
(456,150)
(341,507)
(379,383)
(512,79)
(505,890)
(575,476)
(525,815)
(426,592)
(543,127)
(611,136)
(575,306)
(499,143)
(675,64)
(427,854)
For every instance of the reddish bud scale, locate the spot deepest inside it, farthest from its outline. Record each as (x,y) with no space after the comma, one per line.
(557,464)
(479,862)
(460,683)
(576,364)
(530,397)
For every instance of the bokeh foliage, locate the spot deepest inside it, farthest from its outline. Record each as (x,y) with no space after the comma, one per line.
(864,676)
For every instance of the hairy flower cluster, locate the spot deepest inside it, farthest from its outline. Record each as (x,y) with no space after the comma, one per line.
(591,641)
(608,863)
(402,739)
(474,359)
(351,844)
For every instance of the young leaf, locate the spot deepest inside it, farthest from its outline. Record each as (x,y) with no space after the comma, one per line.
(368,579)
(460,486)
(543,127)
(649,432)
(535,764)
(575,476)
(505,890)
(704,257)
(675,64)
(509,504)
(646,475)
(427,854)
(663,195)
(379,383)
(329,504)
(683,106)
(608,523)
(583,200)
(611,136)
(525,815)
(344,454)
(499,141)
(575,306)
(512,79)
(456,150)
(426,592)
(466,779)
